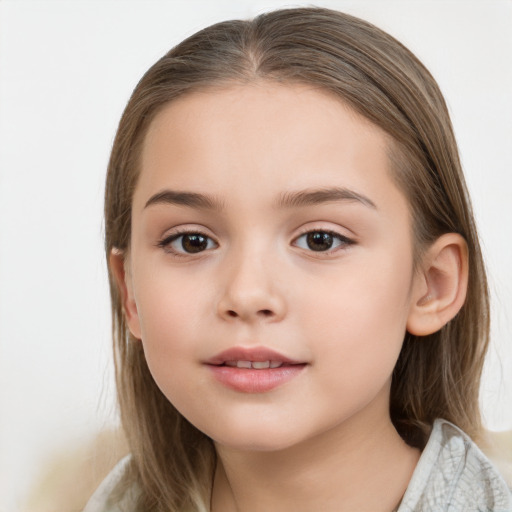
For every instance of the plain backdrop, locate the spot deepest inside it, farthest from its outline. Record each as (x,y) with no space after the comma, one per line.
(67,69)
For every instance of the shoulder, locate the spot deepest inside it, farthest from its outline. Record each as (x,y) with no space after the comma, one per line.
(453,475)
(101,500)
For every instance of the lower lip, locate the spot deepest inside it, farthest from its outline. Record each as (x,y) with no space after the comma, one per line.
(255,381)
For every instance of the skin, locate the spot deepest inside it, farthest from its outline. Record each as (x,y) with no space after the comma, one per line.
(324,440)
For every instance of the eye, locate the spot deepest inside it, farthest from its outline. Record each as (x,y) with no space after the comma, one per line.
(322,241)
(187,243)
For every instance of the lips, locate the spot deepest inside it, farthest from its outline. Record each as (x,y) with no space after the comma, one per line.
(253,354)
(257,365)
(253,370)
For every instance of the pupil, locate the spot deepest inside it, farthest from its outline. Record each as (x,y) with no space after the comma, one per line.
(319,241)
(194,243)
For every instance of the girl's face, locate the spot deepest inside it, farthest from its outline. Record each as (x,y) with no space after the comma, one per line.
(267,229)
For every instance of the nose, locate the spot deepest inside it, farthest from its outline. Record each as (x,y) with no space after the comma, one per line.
(251,292)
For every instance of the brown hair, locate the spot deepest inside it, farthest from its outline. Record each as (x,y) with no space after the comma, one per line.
(435,376)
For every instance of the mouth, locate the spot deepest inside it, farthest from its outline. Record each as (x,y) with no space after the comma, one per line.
(258,358)
(255,365)
(254,370)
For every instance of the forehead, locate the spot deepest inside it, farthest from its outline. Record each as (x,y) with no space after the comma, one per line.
(261,135)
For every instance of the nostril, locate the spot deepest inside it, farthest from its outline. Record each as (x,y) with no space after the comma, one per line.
(262,313)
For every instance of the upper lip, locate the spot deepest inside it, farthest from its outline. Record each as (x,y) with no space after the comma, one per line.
(255,354)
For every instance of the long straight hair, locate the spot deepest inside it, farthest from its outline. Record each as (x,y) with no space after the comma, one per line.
(435,376)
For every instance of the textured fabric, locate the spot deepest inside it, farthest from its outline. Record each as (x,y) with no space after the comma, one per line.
(100,500)
(452,475)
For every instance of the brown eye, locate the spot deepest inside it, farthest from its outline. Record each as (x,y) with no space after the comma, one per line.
(319,240)
(194,243)
(187,243)
(322,241)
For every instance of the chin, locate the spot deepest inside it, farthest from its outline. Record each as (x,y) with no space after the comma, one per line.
(262,443)
(257,438)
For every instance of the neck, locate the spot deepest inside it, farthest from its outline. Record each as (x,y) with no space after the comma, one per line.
(360,465)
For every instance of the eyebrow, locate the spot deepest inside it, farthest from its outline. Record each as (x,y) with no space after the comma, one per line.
(323,195)
(300,198)
(191,199)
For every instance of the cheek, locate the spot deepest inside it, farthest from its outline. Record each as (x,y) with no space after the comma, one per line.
(170,315)
(358,320)
(170,304)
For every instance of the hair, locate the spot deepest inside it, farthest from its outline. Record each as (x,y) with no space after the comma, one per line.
(435,376)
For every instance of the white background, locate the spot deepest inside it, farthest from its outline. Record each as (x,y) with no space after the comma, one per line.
(67,69)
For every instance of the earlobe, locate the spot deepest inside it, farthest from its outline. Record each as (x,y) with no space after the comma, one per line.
(440,286)
(118,265)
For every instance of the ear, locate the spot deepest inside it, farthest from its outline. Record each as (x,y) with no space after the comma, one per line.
(440,285)
(119,265)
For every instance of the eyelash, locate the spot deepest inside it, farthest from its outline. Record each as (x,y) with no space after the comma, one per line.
(344,241)
(167,241)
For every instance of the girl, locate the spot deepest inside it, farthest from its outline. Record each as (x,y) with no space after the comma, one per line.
(299,300)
